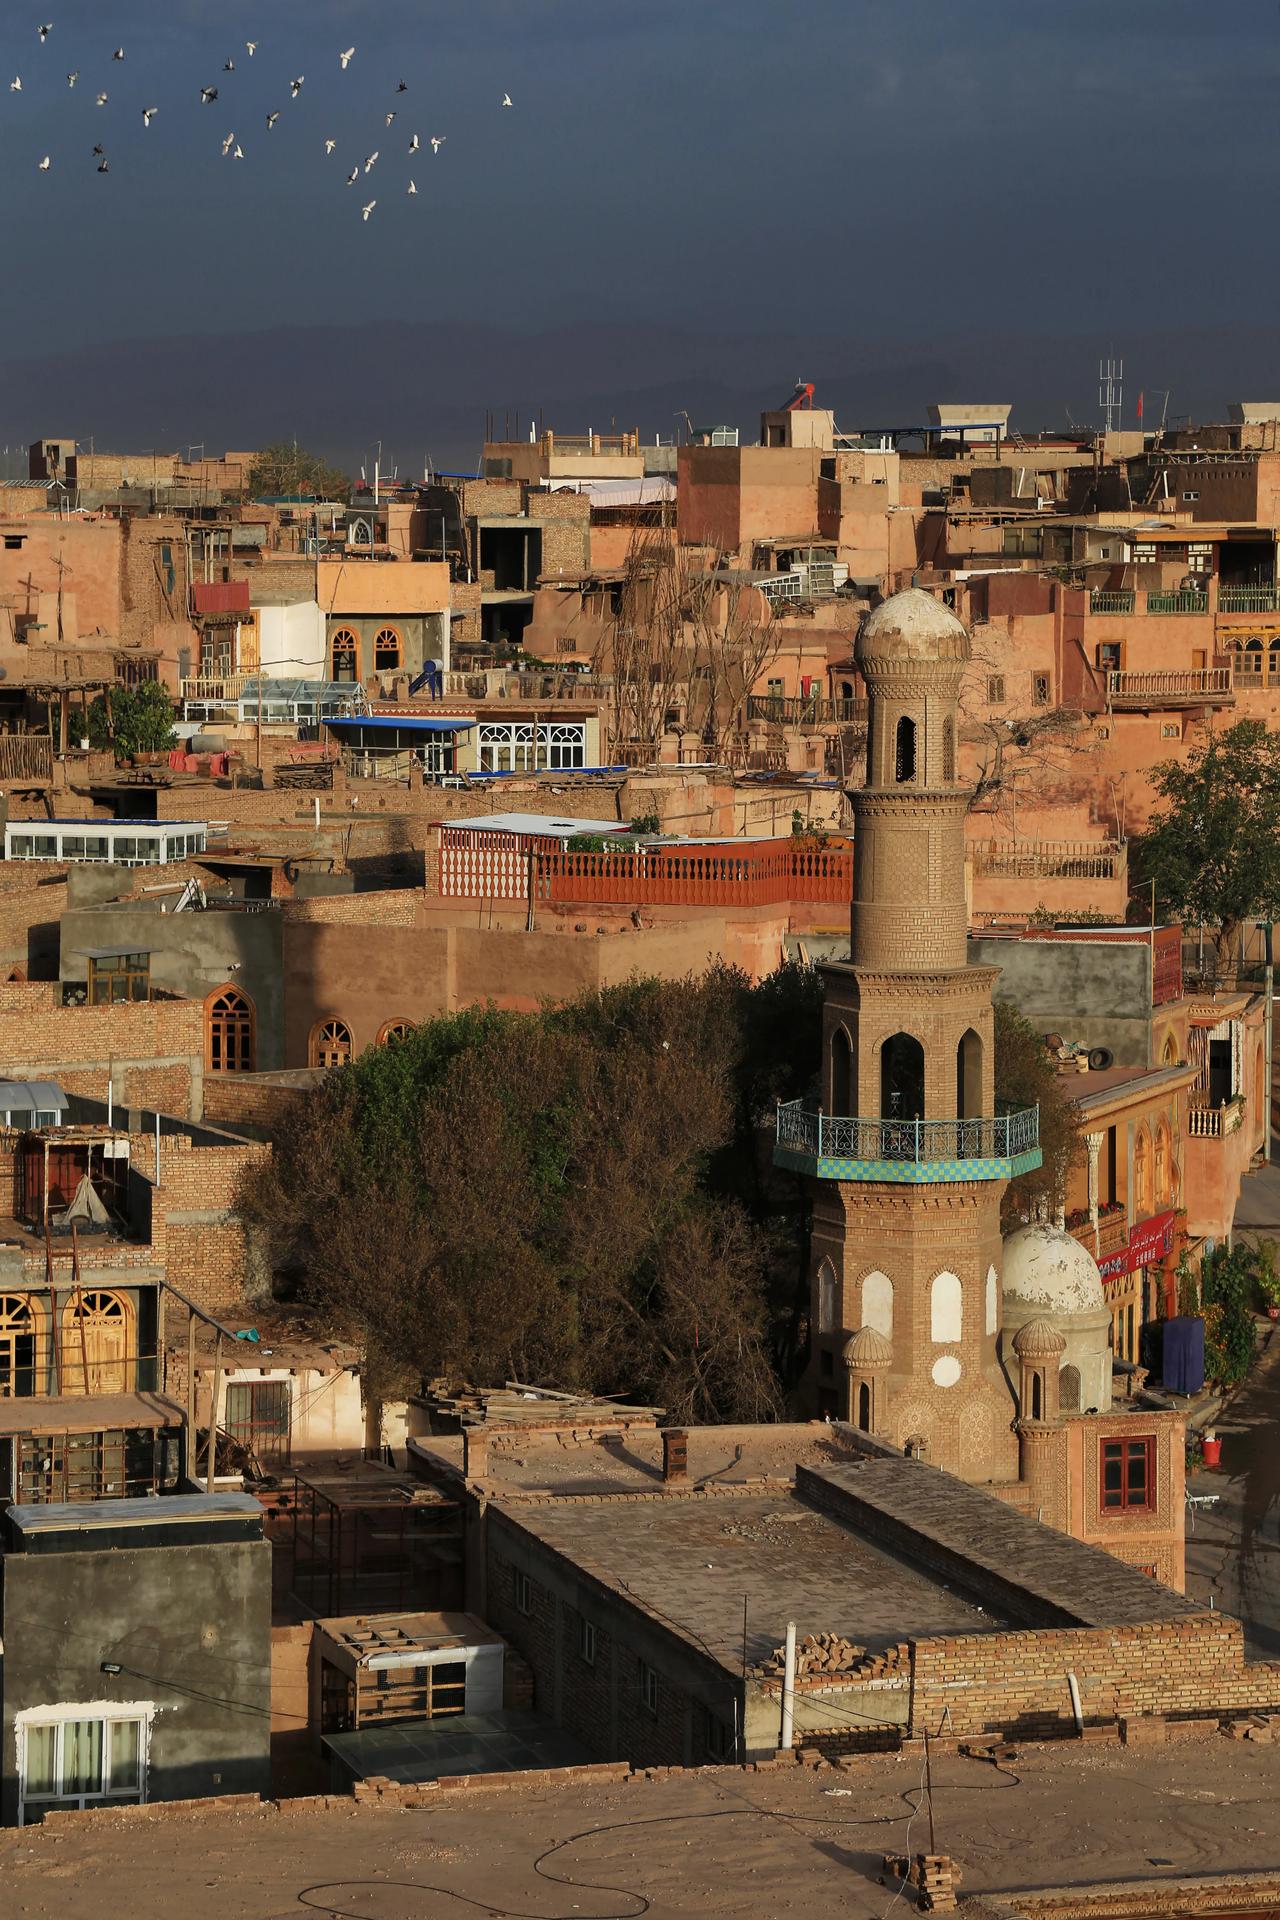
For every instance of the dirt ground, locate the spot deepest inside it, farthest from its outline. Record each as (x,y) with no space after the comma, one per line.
(745,1846)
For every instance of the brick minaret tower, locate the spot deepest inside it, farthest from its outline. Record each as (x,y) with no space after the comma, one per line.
(907,1157)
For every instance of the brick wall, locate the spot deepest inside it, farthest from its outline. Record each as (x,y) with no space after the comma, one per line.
(195,1231)
(260,1101)
(1016,1683)
(151,1052)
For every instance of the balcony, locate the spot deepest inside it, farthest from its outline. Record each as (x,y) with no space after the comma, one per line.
(906,1152)
(1248,600)
(1102,600)
(807,710)
(1192,687)
(1181,600)
(26,759)
(219,689)
(1215,1123)
(1047,859)
(1111,1235)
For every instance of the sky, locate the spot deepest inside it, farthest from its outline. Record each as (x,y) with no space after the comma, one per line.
(689,202)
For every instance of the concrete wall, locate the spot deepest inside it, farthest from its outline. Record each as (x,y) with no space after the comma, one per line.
(192,955)
(1062,986)
(190,1627)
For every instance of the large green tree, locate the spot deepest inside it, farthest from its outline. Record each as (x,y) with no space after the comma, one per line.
(286,468)
(1213,845)
(580,1196)
(140,720)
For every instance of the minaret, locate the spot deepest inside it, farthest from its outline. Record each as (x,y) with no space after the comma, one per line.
(907,1157)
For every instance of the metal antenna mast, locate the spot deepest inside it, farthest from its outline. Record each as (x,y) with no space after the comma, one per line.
(1111,392)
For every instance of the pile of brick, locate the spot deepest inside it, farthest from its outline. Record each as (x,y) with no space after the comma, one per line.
(820,1655)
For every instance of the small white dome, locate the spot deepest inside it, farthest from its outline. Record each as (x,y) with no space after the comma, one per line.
(911,626)
(1046,1269)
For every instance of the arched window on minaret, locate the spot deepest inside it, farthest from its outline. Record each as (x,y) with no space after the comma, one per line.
(1037,1398)
(902,1078)
(946,1310)
(826,1298)
(949,750)
(969,1077)
(904,750)
(841,1073)
(877,1303)
(1069,1389)
(864,1406)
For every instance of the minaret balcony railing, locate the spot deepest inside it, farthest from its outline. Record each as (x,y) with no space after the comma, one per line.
(916,1152)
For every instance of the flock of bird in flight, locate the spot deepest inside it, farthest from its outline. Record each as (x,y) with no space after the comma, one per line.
(231,148)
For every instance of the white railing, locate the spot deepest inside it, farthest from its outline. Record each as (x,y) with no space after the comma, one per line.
(825,1136)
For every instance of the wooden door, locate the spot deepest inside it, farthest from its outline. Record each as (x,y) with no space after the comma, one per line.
(97,1346)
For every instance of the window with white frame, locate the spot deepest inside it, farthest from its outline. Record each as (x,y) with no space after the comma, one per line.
(649,1686)
(517,746)
(523,1592)
(73,1757)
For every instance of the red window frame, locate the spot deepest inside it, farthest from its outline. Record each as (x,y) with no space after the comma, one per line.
(1127,1474)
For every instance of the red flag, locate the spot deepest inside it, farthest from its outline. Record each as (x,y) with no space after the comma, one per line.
(1139,406)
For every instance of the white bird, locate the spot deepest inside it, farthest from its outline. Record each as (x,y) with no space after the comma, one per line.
(367,209)
(353,176)
(271,120)
(437,141)
(391,116)
(507,101)
(118,54)
(371,162)
(414,144)
(329,145)
(227,144)
(44,164)
(411,188)
(252,47)
(238,154)
(44,32)
(73,77)
(345,59)
(147,113)
(296,86)
(208,95)
(102,99)
(15,85)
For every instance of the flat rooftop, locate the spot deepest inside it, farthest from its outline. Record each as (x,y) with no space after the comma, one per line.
(415,1750)
(745,1846)
(539,1463)
(693,1562)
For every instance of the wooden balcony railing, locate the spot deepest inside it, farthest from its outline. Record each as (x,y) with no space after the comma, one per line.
(26,756)
(1173,687)
(1047,859)
(806,710)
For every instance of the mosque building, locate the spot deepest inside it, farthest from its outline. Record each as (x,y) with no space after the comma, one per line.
(987,1357)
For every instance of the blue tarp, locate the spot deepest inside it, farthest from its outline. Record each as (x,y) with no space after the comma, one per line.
(420,722)
(1182,1361)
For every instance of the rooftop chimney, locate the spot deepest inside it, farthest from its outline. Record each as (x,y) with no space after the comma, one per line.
(675,1456)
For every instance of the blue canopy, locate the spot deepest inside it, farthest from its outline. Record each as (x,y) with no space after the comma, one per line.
(422,722)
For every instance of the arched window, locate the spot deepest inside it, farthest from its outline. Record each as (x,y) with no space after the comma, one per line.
(877,1303)
(1037,1397)
(902,1078)
(904,750)
(864,1406)
(23,1353)
(948,750)
(394,1031)
(969,1077)
(344,655)
(946,1309)
(993,1301)
(1162,1164)
(95,1346)
(842,1101)
(387,650)
(826,1298)
(229,1039)
(1169,1057)
(1142,1172)
(331,1044)
(1069,1389)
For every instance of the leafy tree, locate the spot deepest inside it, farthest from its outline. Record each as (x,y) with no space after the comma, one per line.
(555,1196)
(1213,845)
(1027,1076)
(140,720)
(286,468)
(1227,1287)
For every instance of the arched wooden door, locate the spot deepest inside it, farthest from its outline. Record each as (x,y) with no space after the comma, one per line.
(97,1344)
(24,1349)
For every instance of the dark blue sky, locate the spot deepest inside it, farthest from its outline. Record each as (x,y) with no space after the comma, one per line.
(827,171)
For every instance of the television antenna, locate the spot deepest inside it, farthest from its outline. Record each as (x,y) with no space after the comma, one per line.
(1111,392)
